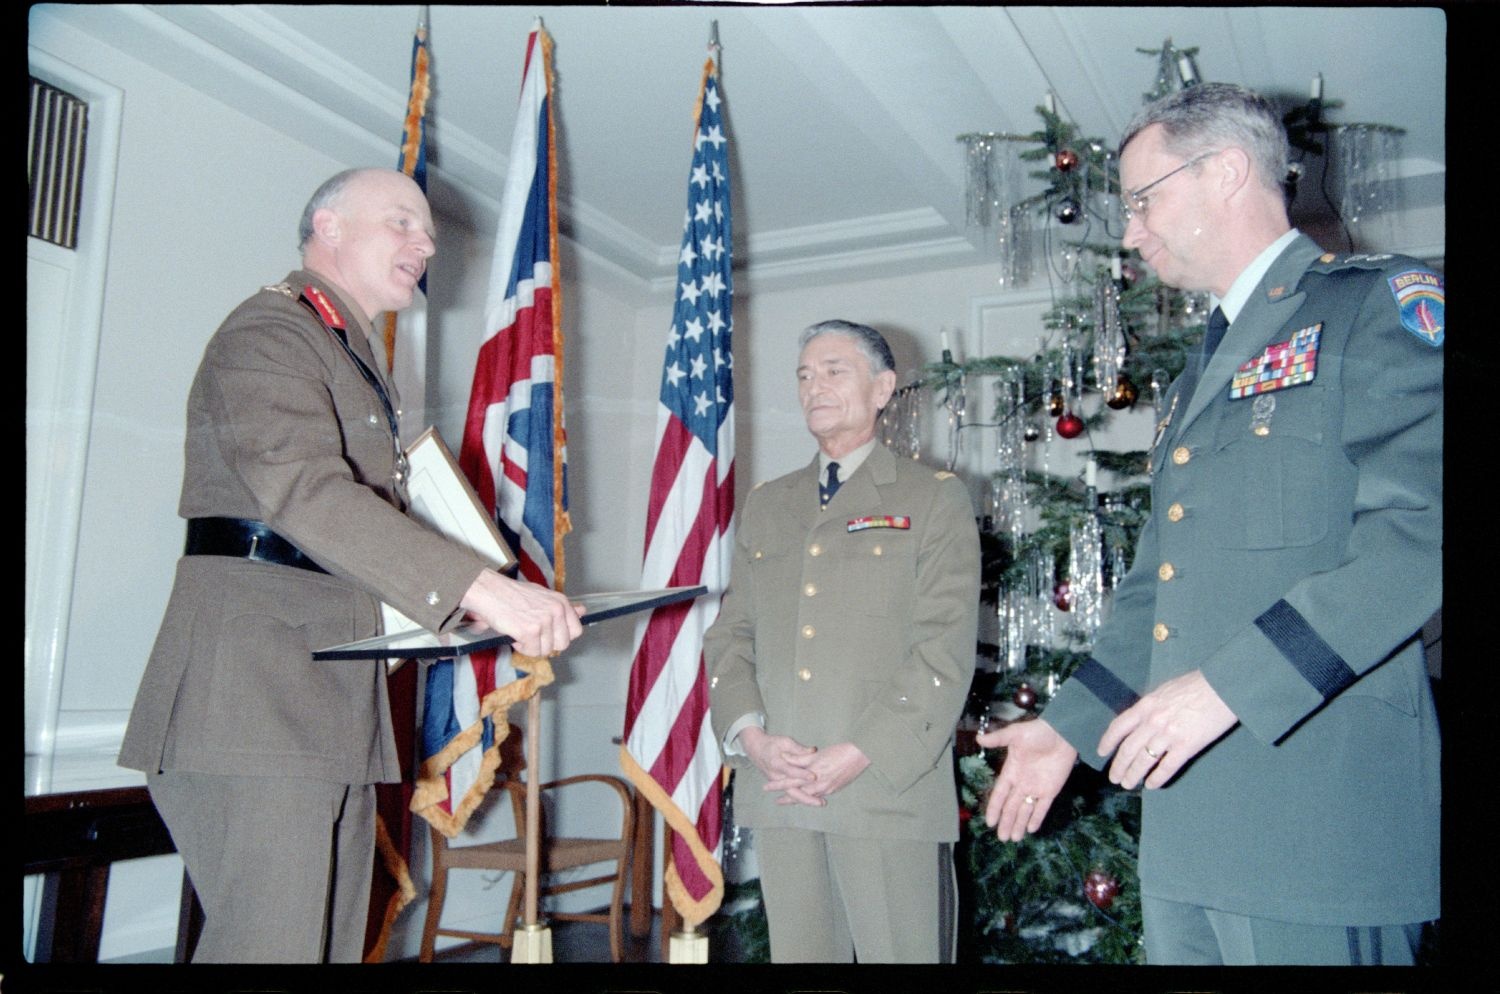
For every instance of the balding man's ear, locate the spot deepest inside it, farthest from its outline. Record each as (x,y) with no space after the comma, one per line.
(887,381)
(326,224)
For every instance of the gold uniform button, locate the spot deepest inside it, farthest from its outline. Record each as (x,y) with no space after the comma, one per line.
(1181,455)
(1262,430)
(804,674)
(1165,572)
(816,550)
(1160,632)
(1175,512)
(374,420)
(810,590)
(878,551)
(808,631)
(432,598)
(758,554)
(936,682)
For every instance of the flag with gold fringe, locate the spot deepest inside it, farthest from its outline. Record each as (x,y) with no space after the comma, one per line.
(669,751)
(405,349)
(513,452)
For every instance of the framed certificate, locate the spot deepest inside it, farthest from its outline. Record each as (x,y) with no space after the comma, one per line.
(442,498)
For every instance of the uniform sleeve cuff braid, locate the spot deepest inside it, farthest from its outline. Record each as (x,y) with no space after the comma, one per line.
(1286,629)
(1110,689)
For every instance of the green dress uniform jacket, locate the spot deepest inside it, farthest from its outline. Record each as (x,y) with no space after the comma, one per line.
(283,428)
(1293,553)
(855,623)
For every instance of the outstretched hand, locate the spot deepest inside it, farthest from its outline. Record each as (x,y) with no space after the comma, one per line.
(1037,764)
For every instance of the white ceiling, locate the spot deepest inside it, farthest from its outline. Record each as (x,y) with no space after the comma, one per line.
(843,118)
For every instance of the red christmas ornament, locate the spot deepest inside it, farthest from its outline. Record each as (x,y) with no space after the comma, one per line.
(1100,888)
(1069,425)
(1066,159)
(1024,697)
(1062,596)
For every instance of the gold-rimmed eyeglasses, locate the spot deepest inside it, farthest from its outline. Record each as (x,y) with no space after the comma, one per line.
(1135,202)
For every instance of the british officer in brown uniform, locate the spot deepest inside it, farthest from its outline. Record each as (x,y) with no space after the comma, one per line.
(262,761)
(838,666)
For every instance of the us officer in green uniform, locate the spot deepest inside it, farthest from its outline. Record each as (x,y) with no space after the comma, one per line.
(1262,671)
(838,666)
(262,761)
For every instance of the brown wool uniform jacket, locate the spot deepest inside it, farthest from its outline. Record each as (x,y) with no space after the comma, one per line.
(841,633)
(283,428)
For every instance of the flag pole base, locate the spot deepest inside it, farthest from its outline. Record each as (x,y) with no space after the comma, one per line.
(688,946)
(531,944)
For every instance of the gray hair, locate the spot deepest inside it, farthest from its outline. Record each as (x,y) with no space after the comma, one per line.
(326,195)
(1212,116)
(871,342)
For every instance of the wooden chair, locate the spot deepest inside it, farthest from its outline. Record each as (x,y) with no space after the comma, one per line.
(556,853)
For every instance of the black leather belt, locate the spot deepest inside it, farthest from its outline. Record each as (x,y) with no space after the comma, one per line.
(244,539)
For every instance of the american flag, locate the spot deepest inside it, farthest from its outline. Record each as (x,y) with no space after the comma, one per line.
(513,450)
(669,749)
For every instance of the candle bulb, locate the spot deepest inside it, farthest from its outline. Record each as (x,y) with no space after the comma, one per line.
(947,353)
(1050,102)
(1317,86)
(1091,474)
(1114,268)
(1185,70)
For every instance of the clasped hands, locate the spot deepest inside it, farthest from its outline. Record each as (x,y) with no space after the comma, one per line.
(1151,740)
(803,774)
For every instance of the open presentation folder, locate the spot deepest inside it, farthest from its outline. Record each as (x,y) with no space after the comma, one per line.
(442,499)
(422,644)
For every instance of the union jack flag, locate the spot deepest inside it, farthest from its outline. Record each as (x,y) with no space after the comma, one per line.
(669,750)
(513,449)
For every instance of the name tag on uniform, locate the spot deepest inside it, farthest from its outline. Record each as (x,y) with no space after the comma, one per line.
(1285,364)
(880,521)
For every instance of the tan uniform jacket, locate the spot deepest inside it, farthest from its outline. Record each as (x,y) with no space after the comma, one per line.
(843,633)
(283,428)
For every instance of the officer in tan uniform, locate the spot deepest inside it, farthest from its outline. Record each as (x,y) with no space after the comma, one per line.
(839,664)
(262,761)
(1262,670)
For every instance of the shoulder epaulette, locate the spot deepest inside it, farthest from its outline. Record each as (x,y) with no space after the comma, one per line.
(1418,291)
(285,289)
(1329,261)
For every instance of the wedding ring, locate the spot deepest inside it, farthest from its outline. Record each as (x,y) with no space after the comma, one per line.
(1029,799)
(1151,754)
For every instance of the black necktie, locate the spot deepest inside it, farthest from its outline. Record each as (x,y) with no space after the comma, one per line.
(1217,325)
(828,489)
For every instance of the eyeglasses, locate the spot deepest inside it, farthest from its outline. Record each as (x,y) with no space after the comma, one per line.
(1135,202)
